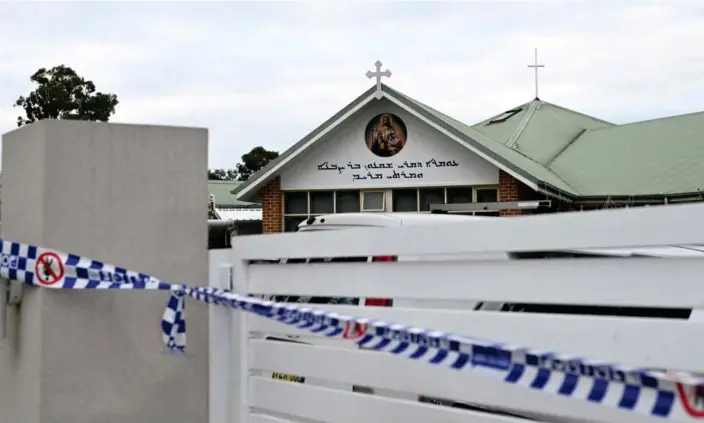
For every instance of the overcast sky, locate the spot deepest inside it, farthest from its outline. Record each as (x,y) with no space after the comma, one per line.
(265,73)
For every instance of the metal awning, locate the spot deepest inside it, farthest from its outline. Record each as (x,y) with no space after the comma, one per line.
(239,215)
(496,206)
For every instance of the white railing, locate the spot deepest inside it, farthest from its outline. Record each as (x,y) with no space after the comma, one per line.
(242,361)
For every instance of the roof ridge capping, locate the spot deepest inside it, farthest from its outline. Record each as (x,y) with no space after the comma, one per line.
(647,121)
(541,102)
(578,113)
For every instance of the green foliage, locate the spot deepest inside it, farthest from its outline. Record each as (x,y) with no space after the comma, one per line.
(62,94)
(254,161)
(222,174)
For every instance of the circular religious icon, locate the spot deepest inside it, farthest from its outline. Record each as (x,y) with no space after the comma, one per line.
(385,135)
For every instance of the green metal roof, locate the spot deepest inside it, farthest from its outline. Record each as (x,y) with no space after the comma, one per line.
(224,199)
(515,160)
(540,130)
(562,151)
(655,157)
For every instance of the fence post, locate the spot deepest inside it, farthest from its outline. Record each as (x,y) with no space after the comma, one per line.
(239,347)
(133,196)
(221,341)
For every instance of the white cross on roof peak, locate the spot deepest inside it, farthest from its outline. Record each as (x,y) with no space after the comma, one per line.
(378,74)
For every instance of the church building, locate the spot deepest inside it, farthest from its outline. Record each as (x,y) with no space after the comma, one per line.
(386,152)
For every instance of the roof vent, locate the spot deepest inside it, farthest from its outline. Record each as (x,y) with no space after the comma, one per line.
(503,117)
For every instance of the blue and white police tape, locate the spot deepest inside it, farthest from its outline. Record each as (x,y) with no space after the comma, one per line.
(672,396)
(43,267)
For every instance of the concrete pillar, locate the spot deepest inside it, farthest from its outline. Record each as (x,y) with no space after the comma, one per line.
(130,195)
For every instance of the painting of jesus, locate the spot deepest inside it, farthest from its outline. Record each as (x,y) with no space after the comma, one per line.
(385,135)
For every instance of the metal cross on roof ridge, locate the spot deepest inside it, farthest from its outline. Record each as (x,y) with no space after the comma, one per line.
(536,66)
(378,74)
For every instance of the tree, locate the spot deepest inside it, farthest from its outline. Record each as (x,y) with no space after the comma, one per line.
(222,174)
(62,94)
(254,161)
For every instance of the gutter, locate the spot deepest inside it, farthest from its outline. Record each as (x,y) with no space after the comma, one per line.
(221,224)
(552,191)
(654,199)
(644,199)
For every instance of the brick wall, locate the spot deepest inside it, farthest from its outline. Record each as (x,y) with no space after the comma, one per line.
(509,188)
(272,208)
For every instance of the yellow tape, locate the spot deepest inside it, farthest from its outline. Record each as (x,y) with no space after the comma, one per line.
(290,378)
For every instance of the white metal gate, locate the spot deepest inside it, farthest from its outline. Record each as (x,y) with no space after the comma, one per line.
(242,361)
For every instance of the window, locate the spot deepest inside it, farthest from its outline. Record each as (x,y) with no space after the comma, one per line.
(430,196)
(487,195)
(322,202)
(296,203)
(300,205)
(347,202)
(470,196)
(295,209)
(405,200)
(459,195)
(373,201)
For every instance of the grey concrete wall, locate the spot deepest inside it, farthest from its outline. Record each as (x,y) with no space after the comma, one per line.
(130,195)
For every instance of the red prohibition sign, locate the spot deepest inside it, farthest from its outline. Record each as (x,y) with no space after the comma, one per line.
(691,405)
(49,269)
(354,330)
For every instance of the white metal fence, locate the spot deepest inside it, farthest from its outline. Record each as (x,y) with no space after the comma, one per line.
(242,360)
